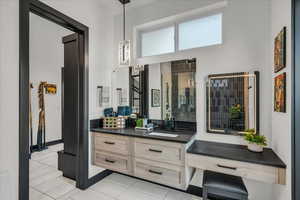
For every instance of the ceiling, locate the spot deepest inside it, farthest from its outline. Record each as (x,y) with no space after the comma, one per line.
(116,7)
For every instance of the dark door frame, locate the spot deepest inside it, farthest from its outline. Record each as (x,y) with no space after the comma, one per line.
(44,11)
(295,99)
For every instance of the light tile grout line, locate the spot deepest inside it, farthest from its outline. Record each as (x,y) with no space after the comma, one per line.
(45,194)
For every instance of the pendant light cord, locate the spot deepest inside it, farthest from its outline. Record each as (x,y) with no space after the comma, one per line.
(124,22)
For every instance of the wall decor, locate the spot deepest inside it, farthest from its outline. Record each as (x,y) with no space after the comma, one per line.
(155,98)
(232,103)
(50,88)
(103,93)
(41,133)
(280,51)
(280,93)
(122,96)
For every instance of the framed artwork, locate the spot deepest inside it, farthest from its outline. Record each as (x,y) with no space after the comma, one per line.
(51,88)
(155,98)
(280,93)
(280,51)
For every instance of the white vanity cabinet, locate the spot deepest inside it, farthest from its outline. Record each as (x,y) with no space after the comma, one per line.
(112,152)
(154,160)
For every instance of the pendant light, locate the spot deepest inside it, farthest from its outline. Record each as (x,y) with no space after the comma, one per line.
(124,46)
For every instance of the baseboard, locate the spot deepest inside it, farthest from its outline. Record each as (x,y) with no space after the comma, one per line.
(51,143)
(99,177)
(192,189)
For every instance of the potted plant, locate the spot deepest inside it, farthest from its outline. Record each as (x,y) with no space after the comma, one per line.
(256,143)
(235,111)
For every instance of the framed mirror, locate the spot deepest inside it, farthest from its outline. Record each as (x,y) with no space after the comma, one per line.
(173,91)
(233,103)
(164,91)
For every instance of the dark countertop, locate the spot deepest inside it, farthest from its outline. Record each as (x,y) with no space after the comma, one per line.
(183,136)
(236,152)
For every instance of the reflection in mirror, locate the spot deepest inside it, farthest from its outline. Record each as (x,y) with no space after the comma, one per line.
(138,90)
(172,91)
(232,103)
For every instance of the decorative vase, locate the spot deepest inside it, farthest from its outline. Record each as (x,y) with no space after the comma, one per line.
(255,147)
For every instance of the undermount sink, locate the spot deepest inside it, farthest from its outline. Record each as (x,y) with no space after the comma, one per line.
(163,134)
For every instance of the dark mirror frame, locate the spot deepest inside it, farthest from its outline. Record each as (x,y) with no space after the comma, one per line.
(257,101)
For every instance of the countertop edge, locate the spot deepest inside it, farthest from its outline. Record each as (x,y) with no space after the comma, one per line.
(240,160)
(281,165)
(109,131)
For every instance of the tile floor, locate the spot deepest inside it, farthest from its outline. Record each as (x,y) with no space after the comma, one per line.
(47,183)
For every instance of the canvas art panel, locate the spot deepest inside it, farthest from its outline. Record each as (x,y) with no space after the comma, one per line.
(155,94)
(280,51)
(280,93)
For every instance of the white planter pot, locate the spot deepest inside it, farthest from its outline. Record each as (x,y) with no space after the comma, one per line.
(255,147)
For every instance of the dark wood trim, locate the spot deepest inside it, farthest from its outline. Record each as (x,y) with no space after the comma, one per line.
(295,99)
(51,143)
(257,74)
(45,11)
(99,177)
(49,13)
(144,87)
(62,102)
(130,87)
(23,100)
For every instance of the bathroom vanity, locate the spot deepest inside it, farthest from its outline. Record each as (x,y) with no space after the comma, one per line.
(172,161)
(158,159)
(237,160)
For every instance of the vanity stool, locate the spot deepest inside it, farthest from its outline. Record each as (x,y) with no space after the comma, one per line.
(223,185)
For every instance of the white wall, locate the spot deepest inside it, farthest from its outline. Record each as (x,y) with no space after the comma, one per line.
(120,79)
(100,22)
(245,48)
(46,61)
(154,83)
(281,122)
(9,97)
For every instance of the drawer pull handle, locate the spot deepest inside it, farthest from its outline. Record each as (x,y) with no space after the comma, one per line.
(226,167)
(156,151)
(155,172)
(110,161)
(111,143)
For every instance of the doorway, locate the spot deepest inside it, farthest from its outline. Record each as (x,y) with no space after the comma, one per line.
(296,100)
(80,88)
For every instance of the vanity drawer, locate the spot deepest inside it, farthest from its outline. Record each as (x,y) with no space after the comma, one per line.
(112,162)
(244,169)
(112,143)
(166,174)
(159,151)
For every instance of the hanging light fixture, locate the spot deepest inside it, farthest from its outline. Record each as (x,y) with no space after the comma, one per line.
(124,46)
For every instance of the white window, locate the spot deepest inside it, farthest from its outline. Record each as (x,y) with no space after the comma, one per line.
(201,32)
(178,33)
(158,42)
